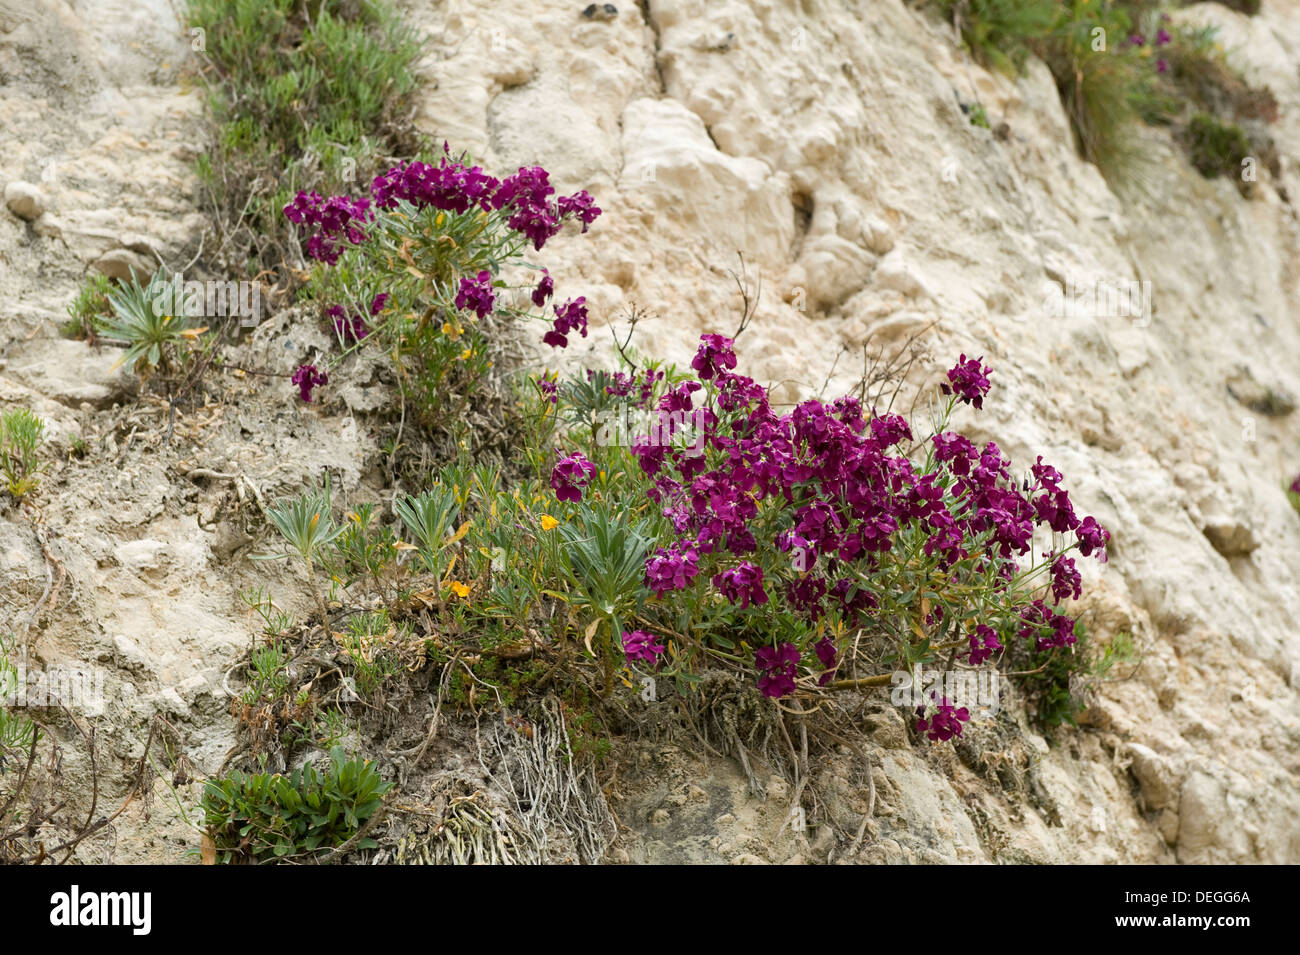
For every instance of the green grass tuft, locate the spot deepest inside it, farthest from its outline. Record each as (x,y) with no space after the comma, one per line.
(305,96)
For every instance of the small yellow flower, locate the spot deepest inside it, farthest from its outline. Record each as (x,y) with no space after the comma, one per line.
(466,353)
(549,523)
(452,330)
(459,589)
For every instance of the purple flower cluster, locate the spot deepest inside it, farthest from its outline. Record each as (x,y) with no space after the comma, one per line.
(672,568)
(984,643)
(450,186)
(332,220)
(545,289)
(743,582)
(715,356)
(642,647)
(848,489)
(532,213)
(623,384)
(306,378)
(476,294)
(570,475)
(968,380)
(526,199)
(1066,580)
(569,317)
(1093,537)
(1163,38)
(944,724)
(1295,485)
(548,389)
(1047,628)
(778,668)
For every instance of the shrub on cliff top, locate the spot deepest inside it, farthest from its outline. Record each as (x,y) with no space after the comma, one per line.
(1117,62)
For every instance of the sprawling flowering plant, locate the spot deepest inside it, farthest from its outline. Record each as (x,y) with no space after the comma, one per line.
(788,537)
(419,259)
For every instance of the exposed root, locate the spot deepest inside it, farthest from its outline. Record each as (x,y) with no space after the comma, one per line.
(551,794)
(472,831)
(735,721)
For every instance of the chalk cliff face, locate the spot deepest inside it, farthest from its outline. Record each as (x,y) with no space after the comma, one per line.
(824,141)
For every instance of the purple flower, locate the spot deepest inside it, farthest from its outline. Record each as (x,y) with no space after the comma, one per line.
(983,644)
(581,206)
(1092,537)
(956,451)
(715,354)
(570,475)
(527,194)
(945,723)
(329,220)
(476,294)
(849,410)
(571,316)
(889,429)
(743,583)
(825,650)
(1066,580)
(623,384)
(1137,39)
(1054,509)
(649,454)
(449,186)
(777,664)
(548,390)
(545,289)
(968,380)
(306,378)
(1038,618)
(377,303)
(1295,485)
(827,657)
(672,568)
(1163,37)
(642,647)
(679,398)
(1162,65)
(648,386)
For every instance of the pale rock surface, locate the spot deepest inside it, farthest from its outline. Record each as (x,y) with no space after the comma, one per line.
(829,148)
(24,200)
(827,145)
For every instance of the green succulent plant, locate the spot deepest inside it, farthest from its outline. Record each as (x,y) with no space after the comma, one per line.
(263,817)
(150,336)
